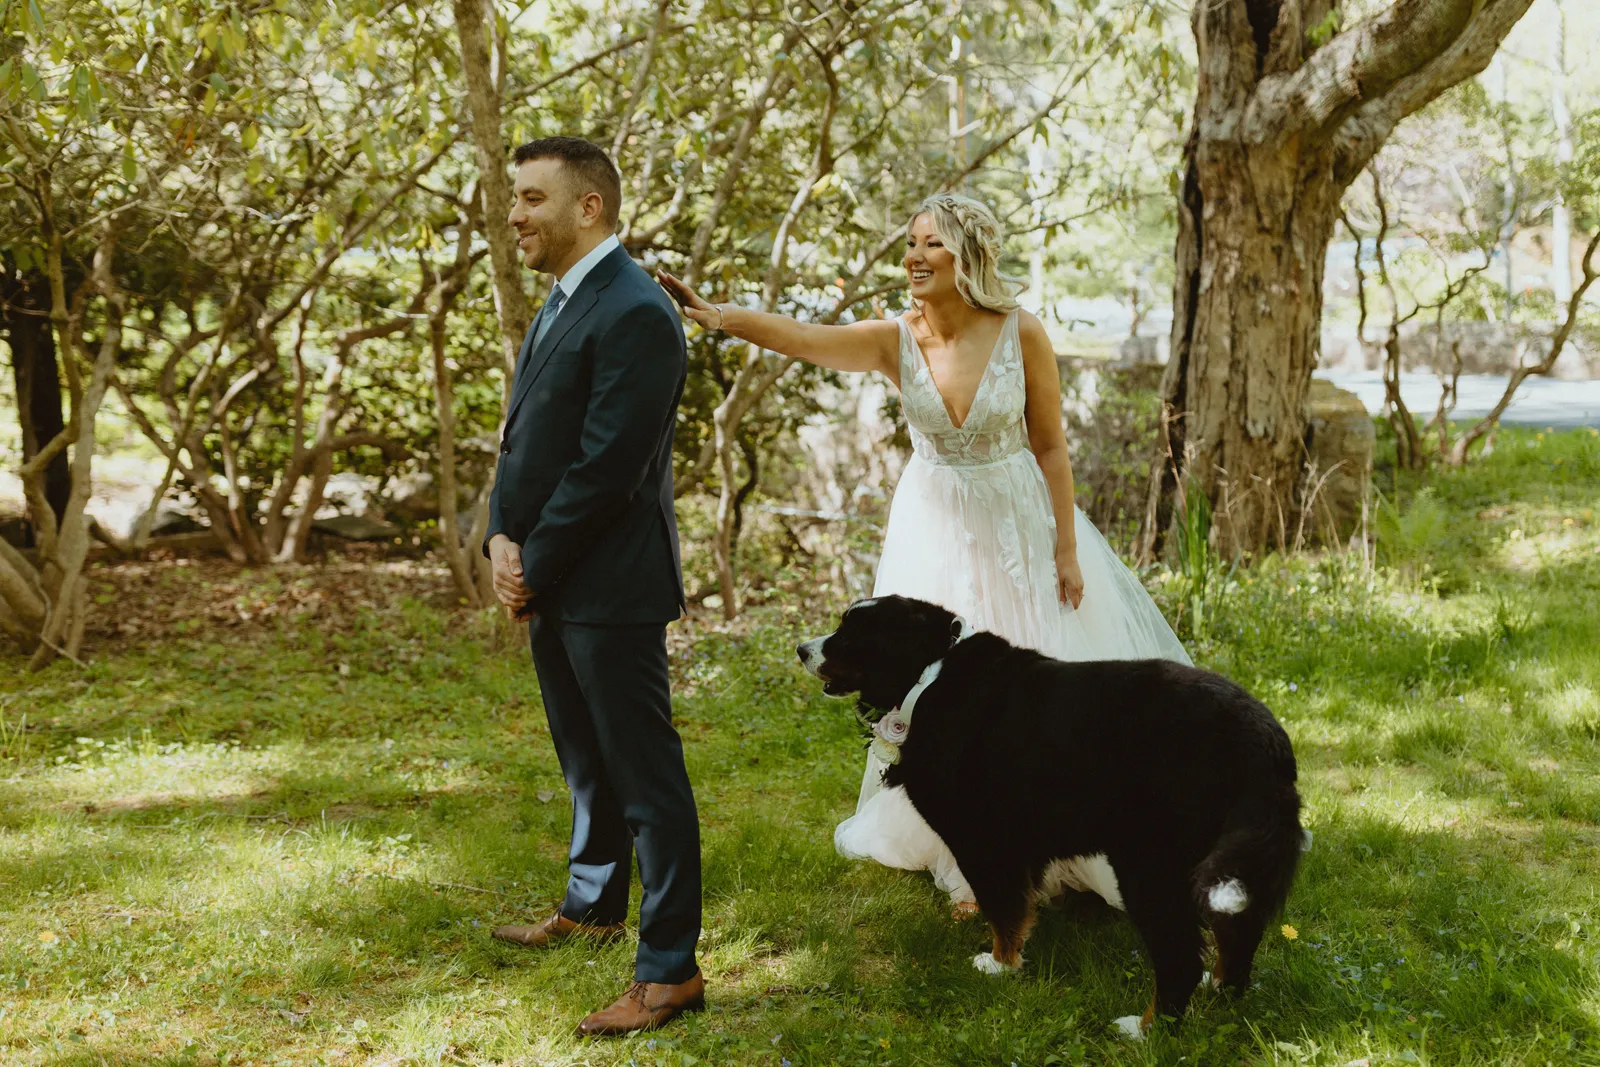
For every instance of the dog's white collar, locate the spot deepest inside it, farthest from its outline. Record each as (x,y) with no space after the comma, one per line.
(889,750)
(930,674)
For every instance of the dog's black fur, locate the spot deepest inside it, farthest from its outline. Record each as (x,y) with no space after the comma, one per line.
(1181,778)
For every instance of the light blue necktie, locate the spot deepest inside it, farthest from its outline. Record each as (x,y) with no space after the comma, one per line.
(547,315)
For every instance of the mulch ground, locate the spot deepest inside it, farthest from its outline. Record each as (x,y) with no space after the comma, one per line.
(167,594)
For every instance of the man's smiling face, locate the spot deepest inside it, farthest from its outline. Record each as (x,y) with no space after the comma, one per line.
(546,213)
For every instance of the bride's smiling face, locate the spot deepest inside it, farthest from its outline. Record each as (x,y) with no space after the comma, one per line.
(930,266)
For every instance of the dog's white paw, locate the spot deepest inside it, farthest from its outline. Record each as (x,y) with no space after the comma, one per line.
(986,963)
(1209,980)
(1130,1027)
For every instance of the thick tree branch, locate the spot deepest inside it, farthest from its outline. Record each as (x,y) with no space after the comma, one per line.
(1365,63)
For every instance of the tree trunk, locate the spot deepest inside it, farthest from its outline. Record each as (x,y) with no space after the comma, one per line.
(1253,237)
(25,314)
(463,560)
(63,547)
(483,102)
(1287,114)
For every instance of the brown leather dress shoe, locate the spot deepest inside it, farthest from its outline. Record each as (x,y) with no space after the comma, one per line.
(645,1006)
(556,928)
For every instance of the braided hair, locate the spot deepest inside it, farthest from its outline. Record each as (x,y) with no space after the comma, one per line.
(972,234)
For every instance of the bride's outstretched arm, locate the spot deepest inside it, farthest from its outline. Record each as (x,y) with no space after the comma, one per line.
(860,346)
(1048,440)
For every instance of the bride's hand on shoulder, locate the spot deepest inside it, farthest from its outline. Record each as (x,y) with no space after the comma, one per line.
(1069,578)
(694,306)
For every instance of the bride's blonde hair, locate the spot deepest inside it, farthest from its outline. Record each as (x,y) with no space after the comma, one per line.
(971,232)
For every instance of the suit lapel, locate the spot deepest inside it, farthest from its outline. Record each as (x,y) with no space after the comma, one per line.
(573,312)
(519,370)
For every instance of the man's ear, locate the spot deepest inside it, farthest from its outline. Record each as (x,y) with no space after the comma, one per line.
(593,206)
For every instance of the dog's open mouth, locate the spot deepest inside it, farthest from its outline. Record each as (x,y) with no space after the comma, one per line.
(834,682)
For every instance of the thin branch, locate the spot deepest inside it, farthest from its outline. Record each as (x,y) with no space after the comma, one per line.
(1558,342)
(584,64)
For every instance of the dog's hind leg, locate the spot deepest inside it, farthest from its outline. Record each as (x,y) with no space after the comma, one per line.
(1160,906)
(1237,939)
(1006,895)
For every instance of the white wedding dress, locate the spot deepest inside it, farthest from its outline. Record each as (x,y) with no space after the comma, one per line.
(971,528)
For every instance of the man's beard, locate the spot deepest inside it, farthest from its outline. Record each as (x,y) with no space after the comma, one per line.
(554,244)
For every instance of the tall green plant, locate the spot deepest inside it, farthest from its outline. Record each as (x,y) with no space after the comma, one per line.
(1202,569)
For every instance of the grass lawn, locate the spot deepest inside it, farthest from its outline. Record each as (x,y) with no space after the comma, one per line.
(280,832)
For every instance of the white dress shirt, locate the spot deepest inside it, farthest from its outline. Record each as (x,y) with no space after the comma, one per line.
(575,275)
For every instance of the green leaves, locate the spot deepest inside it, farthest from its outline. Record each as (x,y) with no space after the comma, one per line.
(1323,32)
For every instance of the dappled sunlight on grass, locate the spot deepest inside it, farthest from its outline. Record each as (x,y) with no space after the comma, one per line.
(288,845)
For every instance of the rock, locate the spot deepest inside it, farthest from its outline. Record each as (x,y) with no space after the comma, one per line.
(356,528)
(415,497)
(1339,438)
(1136,350)
(349,493)
(173,517)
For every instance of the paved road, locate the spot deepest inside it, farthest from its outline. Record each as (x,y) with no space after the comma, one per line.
(1539,401)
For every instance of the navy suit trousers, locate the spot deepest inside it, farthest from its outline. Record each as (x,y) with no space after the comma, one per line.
(606,694)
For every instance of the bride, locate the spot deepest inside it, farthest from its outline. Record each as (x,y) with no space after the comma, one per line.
(983,521)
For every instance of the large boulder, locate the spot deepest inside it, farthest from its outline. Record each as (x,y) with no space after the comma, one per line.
(1339,444)
(356,528)
(414,497)
(179,516)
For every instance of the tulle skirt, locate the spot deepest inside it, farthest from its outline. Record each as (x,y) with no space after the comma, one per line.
(980,541)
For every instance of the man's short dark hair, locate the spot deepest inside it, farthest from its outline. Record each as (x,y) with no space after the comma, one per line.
(591,168)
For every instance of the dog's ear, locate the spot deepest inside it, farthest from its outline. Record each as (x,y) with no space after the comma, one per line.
(955,628)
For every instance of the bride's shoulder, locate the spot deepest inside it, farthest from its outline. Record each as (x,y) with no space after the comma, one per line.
(1038,351)
(1031,331)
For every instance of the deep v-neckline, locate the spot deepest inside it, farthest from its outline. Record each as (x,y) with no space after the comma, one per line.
(983,376)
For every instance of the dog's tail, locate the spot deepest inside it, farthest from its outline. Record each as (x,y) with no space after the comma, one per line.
(1252,866)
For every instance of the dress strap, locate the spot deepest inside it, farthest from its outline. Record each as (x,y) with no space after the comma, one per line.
(1011,335)
(908,362)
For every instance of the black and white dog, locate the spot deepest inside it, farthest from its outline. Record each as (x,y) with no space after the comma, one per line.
(1180,778)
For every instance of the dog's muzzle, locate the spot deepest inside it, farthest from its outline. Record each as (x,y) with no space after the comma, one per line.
(810,653)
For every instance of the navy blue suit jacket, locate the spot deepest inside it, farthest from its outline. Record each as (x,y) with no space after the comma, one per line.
(584,481)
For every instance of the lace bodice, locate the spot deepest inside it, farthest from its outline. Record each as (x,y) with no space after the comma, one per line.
(994,429)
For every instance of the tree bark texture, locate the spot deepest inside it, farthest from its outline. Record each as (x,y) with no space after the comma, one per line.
(1287,113)
(494,183)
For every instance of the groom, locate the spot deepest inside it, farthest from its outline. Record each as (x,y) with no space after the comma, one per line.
(584,546)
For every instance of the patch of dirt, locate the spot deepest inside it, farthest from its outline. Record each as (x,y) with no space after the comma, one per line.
(143,602)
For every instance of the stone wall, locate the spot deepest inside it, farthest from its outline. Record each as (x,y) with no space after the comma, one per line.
(1486,348)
